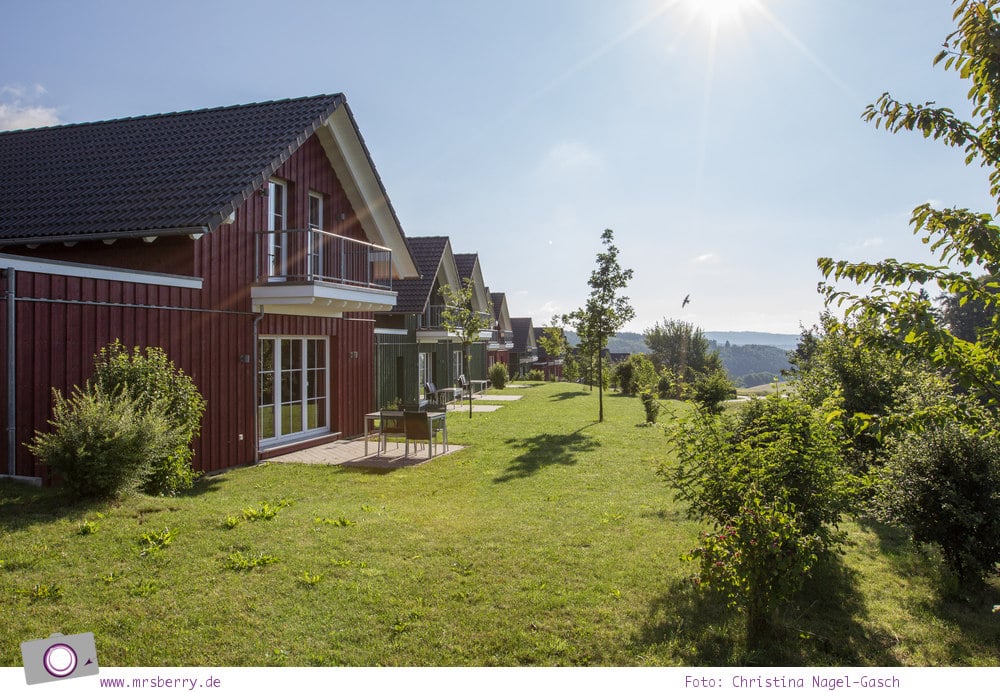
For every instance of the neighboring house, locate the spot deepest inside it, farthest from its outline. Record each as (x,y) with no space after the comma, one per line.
(550,366)
(252,243)
(470,269)
(502,339)
(525,351)
(413,347)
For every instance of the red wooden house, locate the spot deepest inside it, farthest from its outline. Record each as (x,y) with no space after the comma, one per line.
(252,243)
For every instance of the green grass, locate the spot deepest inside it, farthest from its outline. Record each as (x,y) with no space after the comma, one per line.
(549,540)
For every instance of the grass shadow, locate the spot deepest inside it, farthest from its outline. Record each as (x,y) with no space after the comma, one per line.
(564,396)
(544,450)
(23,505)
(821,627)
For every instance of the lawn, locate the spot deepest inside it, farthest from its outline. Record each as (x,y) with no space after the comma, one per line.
(549,540)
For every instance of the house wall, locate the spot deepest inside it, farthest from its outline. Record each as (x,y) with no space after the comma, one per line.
(63,321)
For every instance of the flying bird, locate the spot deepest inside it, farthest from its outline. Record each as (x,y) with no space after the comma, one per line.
(687,299)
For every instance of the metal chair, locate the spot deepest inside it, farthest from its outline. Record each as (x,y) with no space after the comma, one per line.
(418,429)
(390,424)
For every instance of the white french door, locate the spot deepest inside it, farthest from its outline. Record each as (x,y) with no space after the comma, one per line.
(293,398)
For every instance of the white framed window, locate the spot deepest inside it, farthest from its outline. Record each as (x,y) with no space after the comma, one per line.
(314,244)
(277,221)
(457,357)
(424,374)
(293,378)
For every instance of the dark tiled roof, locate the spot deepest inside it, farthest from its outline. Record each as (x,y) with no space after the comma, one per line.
(412,294)
(152,173)
(497,299)
(520,326)
(466,264)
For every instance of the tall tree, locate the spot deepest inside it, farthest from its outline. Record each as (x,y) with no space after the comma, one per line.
(460,316)
(965,243)
(678,346)
(606,311)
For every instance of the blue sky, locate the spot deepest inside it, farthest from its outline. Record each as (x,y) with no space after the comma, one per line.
(727,152)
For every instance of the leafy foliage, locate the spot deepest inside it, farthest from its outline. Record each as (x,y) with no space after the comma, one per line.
(767,478)
(965,243)
(943,484)
(101,445)
(606,311)
(635,374)
(757,560)
(711,390)
(498,376)
(150,383)
(461,316)
(781,447)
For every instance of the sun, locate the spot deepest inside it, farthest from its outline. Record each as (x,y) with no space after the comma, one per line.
(721,12)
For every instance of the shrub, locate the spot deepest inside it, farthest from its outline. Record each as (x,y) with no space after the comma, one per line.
(710,391)
(150,382)
(943,484)
(651,405)
(497,375)
(781,447)
(536,376)
(100,444)
(757,560)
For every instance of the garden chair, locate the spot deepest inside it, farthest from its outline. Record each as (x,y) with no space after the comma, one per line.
(418,428)
(390,424)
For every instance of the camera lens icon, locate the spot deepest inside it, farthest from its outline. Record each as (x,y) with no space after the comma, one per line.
(59,660)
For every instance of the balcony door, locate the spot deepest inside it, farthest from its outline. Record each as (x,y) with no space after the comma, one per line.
(277,221)
(293,401)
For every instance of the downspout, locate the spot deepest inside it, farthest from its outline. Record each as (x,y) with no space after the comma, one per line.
(256,387)
(11,372)
(12,382)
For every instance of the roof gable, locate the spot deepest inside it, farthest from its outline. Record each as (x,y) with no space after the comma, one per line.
(436,264)
(524,334)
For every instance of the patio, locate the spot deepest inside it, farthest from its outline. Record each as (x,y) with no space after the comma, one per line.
(351,453)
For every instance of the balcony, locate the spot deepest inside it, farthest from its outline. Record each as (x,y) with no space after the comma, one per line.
(500,340)
(430,326)
(318,274)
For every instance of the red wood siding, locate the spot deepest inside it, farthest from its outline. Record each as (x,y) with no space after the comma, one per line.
(62,321)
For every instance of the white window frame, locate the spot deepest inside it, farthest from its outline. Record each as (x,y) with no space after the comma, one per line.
(277,220)
(314,244)
(323,426)
(423,373)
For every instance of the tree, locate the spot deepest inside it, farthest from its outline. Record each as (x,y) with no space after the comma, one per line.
(678,346)
(553,340)
(963,241)
(606,311)
(460,316)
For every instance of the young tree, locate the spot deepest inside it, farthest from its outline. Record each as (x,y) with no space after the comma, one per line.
(678,346)
(606,311)
(553,340)
(965,242)
(460,316)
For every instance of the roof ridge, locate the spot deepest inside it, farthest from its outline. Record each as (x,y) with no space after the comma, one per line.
(338,98)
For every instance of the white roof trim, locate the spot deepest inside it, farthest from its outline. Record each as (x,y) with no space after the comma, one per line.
(95,271)
(354,169)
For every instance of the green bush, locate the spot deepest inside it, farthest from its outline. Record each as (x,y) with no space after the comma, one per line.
(152,383)
(780,446)
(535,376)
(757,560)
(943,484)
(651,405)
(101,445)
(710,391)
(497,375)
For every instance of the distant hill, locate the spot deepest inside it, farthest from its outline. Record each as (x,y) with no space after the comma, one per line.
(750,358)
(782,341)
